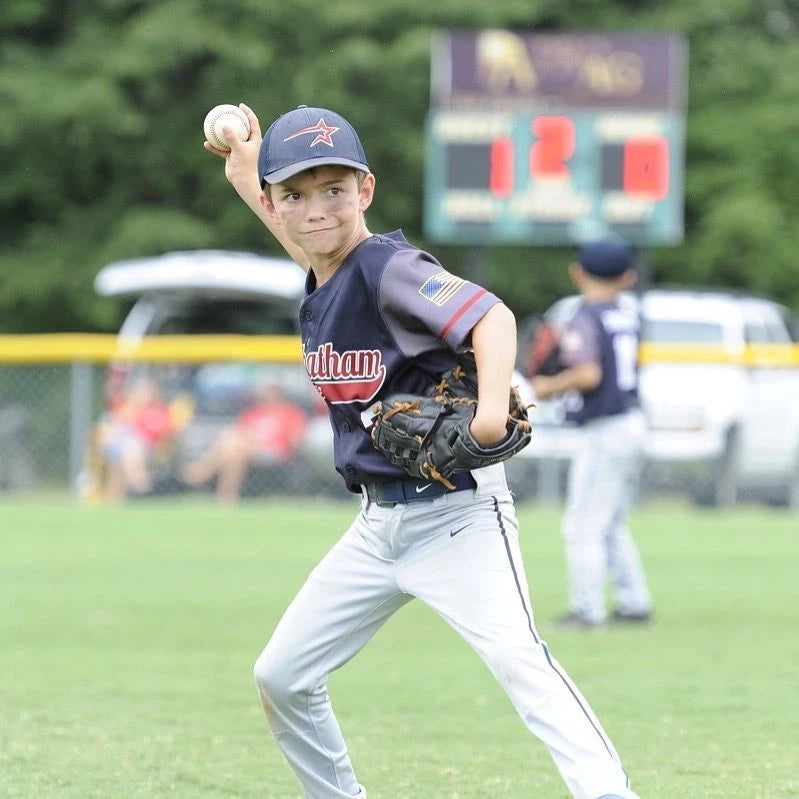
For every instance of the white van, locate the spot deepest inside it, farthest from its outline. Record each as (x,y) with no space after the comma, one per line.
(205,291)
(719,383)
(215,292)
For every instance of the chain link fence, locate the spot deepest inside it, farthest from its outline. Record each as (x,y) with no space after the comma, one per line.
(230,429)
(34,427)
(57,432)
(107,429)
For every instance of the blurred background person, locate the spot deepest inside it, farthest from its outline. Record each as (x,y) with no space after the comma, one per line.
(136,425)
(268,432)
(599,381)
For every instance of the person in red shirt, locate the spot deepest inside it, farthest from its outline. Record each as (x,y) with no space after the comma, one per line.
(268,432)
(136,425)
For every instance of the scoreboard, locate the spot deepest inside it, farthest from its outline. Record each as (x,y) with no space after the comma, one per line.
(554,177)
(555,137)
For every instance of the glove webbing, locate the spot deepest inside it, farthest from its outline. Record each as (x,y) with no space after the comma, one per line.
(427,468)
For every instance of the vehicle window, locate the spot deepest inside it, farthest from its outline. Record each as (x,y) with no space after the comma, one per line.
(755,332)
(777,327)
(241,317)
(765,324)
(679,331)
(229,387)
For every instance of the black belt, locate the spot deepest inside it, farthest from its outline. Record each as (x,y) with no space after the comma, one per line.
(394,492)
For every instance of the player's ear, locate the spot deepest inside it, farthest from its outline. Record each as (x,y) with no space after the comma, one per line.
(629,279)
(268,206)
(367,191)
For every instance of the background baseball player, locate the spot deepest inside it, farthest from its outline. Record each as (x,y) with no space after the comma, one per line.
(599,348)
(382,317)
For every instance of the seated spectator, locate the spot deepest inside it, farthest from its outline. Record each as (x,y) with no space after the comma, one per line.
(267,432)
(134,428)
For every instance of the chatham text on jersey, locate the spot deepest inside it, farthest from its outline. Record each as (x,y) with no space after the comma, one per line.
(349,376)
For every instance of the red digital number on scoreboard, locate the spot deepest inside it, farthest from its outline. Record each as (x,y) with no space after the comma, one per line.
(501,174)
(645,167)
(553,147)
(638,166)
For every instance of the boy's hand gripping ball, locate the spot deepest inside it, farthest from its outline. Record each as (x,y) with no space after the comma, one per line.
(222,116)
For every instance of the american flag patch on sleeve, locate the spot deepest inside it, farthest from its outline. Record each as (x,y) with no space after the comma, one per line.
(441,287)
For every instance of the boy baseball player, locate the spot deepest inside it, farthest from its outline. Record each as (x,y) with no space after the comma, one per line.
(599,349)
(383,317)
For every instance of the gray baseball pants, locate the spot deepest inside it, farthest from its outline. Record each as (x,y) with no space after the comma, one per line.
(603,482)
(459,554)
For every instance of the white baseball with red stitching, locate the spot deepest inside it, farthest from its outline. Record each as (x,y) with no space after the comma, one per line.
(222,116)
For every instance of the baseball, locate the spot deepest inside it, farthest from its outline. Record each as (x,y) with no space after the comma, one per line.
(221,116)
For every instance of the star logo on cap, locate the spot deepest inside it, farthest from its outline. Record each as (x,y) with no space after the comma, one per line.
(324,133)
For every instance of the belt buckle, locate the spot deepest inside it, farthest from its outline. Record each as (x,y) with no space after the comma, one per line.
(374,494)
(381,501)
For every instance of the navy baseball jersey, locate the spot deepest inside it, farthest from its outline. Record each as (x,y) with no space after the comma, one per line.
(390,320)
(605,333)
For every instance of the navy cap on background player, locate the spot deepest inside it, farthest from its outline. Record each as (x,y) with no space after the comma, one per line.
(305,138)
(607,257)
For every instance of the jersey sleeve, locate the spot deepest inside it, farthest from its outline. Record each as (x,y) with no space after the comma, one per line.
(578,342)
(420,299)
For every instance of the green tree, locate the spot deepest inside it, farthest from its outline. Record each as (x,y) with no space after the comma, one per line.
(108,99)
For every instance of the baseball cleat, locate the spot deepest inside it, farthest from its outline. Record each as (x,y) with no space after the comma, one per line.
(632,618)
(573,621)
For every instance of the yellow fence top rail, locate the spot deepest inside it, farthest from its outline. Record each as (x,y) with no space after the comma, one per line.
(102,348)
(752,355)
(66,347)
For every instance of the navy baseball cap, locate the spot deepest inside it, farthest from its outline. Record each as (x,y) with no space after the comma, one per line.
(305,138)
(607,257)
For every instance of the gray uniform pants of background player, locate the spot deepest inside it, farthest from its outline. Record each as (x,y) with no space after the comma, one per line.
(603,481)
(460,555)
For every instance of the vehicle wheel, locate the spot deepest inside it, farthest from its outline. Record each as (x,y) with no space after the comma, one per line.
(725,474)
(792,492)
(725,477)
(721,490)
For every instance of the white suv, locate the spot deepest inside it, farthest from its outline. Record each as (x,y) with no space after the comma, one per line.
(719,383)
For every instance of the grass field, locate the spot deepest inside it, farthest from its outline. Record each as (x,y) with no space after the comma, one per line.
(127,638)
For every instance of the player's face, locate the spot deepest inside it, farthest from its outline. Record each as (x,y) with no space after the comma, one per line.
(321,210)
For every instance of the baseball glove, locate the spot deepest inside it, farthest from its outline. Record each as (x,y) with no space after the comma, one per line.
(428,436)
